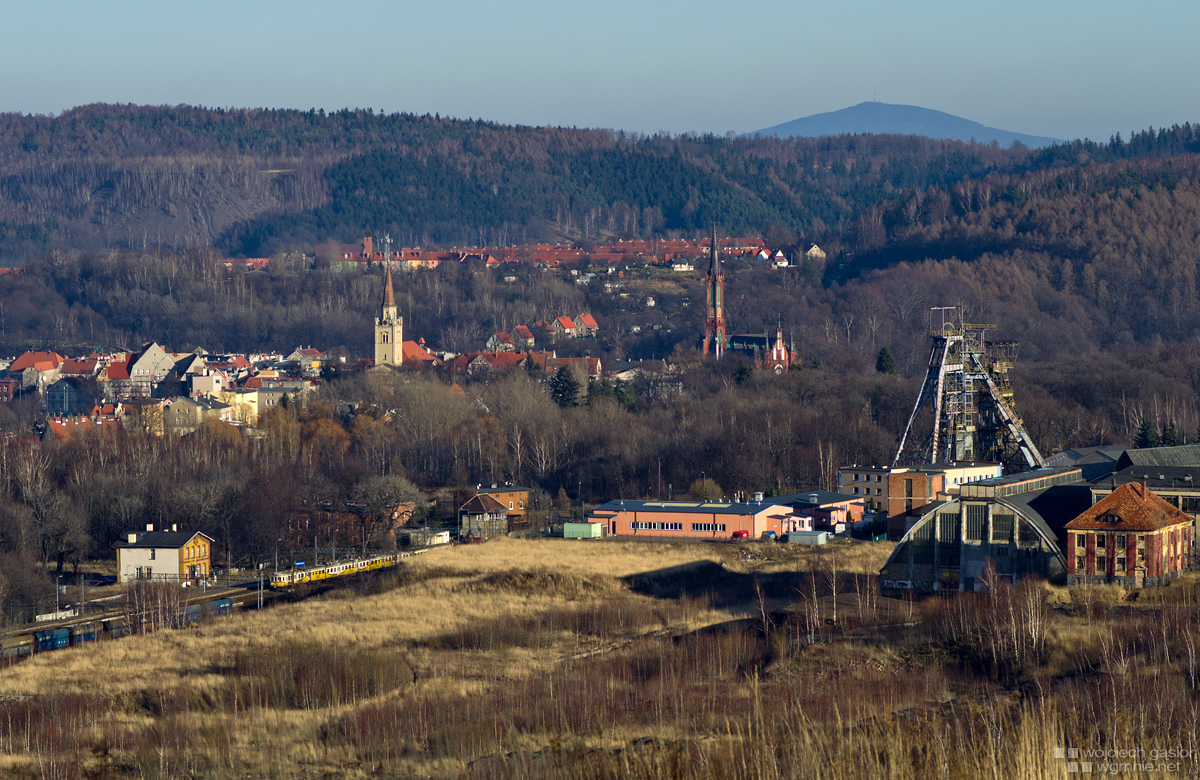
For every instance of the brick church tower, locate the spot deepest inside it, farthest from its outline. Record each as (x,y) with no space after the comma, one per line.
(714,317)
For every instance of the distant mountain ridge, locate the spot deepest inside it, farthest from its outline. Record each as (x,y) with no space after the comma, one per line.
(889,118)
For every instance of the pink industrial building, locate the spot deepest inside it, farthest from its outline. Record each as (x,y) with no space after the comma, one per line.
(693,519)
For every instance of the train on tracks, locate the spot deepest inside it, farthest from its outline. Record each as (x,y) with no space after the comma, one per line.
(94,630)
(49,639)
(283,580)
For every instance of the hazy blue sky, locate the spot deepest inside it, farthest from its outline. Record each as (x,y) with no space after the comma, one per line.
(1063,68)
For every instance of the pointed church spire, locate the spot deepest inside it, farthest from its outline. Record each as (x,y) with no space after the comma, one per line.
(714,319)
(389,297)
(714,263)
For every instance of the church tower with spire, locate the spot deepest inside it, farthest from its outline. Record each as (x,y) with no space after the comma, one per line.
(389,328)
(714,317)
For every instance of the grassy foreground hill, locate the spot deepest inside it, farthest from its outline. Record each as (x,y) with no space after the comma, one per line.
(550,658)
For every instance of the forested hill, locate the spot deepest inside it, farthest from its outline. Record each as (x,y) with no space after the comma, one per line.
(256,181)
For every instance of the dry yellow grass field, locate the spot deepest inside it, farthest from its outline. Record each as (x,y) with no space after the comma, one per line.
(456,594)
(419,611)
(550,658)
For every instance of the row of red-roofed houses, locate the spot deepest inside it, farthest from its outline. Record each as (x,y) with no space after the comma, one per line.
(522,338)
(487,363)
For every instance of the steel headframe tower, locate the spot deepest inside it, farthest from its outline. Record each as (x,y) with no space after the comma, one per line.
(971,394)
(714,313)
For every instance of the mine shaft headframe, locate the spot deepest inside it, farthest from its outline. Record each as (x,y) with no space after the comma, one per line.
(947,321)
(965,370)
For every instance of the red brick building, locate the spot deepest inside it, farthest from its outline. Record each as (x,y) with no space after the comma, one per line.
(1132,538)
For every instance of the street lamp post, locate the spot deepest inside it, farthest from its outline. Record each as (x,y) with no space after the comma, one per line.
(57,587)
(277,541)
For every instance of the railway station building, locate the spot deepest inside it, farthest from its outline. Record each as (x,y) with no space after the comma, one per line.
(165,556)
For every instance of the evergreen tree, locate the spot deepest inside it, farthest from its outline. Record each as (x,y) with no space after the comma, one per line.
(530,366)
(1147,435)
(886,362)
(742,373)
(1170,435)
(624,394)
(564,387)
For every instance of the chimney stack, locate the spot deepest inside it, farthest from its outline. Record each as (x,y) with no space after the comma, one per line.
(149,526)
(132,538)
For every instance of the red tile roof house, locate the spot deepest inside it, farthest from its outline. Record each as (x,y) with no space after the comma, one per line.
(414,355)
(29,359)
(501,341)
(586,325)
(1131,537)
(37,369)
(565,326)
(79,368)
(523,337)
(477,363)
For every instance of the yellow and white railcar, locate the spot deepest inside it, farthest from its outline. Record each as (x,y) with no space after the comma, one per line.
(291,578)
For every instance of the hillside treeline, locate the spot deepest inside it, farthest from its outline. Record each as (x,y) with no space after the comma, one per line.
(255,181)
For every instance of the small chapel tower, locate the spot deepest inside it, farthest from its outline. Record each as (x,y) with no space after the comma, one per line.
(389,328)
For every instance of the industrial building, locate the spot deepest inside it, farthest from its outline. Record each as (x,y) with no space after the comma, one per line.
(694,519)
(1018,522)
(823,509)
(900,492)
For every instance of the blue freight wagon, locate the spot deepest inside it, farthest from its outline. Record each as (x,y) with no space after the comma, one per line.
(85,632)
(221,607)
(52,639)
